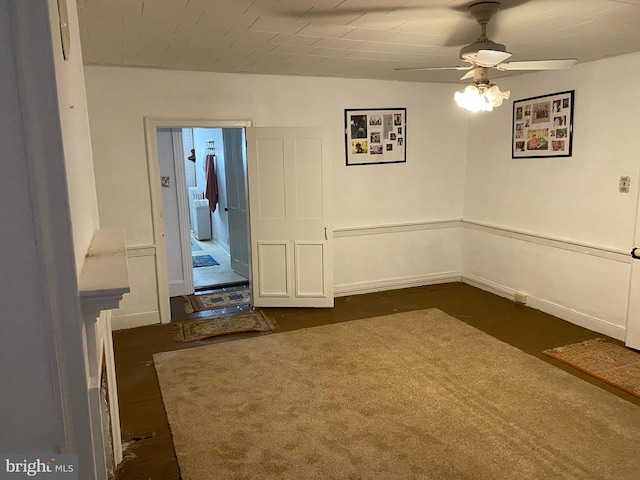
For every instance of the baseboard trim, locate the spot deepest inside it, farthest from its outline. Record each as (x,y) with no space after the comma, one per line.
(577,318)
(488,286)
(572,316)
(395,283)
(133,320)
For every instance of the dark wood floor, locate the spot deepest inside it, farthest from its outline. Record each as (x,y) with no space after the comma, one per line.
(149,451)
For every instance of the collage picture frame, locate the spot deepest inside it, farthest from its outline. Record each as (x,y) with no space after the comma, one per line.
(375,136)
(543,126)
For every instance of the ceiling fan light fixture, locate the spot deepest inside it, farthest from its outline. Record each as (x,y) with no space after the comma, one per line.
(471,99)
(480,97)
(495,96)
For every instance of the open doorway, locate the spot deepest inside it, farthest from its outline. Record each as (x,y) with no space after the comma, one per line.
(291,260)
(205,213)
(215,168)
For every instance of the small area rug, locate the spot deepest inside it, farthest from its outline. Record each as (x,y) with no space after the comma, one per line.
(414,395)
(203,261)
(212,301)
(251,321)
(606,361)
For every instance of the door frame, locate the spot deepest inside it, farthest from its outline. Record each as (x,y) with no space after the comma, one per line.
(151,125)
(183,208)
(236,181)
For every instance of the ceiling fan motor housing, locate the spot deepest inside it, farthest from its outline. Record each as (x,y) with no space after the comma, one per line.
(482,12)
(470,52)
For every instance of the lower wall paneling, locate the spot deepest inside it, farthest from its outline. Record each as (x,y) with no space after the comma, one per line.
(385,257)
(584,285)
(139,307)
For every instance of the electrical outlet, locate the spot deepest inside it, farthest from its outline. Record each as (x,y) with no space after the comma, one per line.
(625,183)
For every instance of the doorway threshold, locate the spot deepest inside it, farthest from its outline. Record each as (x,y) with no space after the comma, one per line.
(220,286)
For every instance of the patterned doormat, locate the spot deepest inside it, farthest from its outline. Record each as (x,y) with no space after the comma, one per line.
(606,361)
(215,300)
(252,321)
(204,261)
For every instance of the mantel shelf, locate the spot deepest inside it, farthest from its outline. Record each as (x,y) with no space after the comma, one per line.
(105,277)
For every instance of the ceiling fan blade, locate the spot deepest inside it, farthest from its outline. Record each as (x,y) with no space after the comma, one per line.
(466,67)
(317,12)
(538,65)
(490,58)
(468,75)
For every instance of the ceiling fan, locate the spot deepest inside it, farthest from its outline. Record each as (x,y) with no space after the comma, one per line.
(485,53)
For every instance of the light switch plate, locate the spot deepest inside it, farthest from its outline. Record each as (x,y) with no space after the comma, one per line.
(625,183)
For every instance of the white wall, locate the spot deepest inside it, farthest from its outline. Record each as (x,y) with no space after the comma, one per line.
(556,228)
(76,138)
(32,419)
(48,214)
(428,187)
(575,200)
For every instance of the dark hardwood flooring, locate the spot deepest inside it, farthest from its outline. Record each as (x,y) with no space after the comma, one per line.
(149,453)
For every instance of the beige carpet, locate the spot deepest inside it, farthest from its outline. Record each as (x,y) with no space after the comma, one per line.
(417,395)
(611,363)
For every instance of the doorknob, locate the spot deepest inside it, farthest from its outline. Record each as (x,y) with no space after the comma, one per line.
(226,209)
(634,254)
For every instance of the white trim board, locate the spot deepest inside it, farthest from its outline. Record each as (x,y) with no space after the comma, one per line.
(121,322)
(395,283)
(356,231)
(141,251)
(563,244)
(186,285)
(572,316)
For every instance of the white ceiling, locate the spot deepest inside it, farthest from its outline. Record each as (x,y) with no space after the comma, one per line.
(345,38)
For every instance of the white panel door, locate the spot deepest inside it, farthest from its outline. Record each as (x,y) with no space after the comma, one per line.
(289,200)
(237,211)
